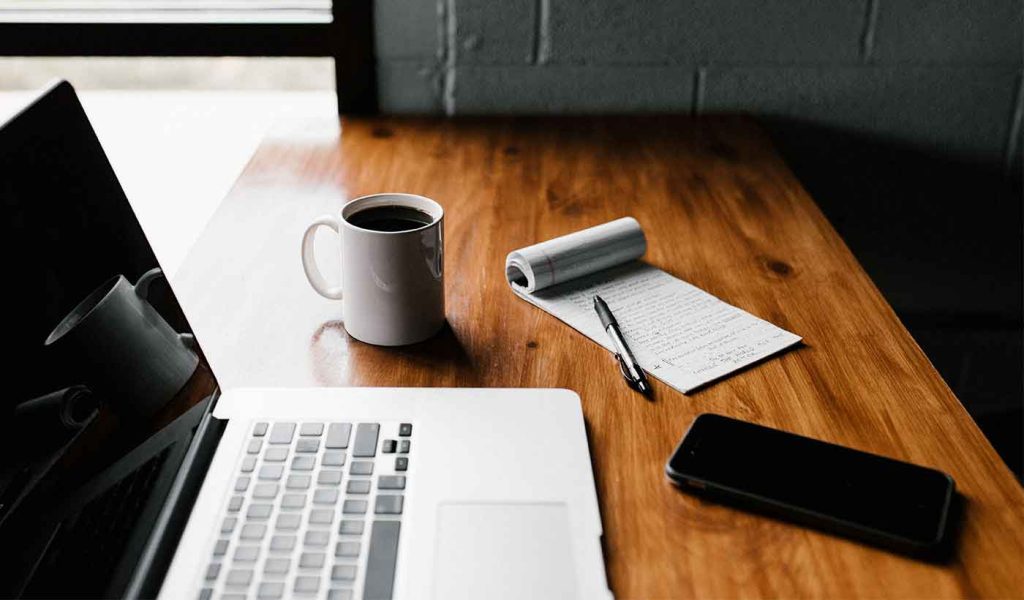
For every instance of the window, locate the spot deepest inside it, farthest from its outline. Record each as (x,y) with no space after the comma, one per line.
(195,28)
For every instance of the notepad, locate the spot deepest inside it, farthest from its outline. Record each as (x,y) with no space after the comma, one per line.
(679,333)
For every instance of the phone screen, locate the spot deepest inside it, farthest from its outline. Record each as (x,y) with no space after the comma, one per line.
(807,475)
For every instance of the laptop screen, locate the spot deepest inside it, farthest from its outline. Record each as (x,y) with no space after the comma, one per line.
(100,361)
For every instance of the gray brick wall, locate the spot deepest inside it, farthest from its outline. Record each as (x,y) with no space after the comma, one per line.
(963,111)
(940,74)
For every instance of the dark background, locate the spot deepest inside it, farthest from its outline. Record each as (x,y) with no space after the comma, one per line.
(902,118)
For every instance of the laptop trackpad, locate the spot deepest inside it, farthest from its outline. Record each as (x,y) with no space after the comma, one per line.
(504,551)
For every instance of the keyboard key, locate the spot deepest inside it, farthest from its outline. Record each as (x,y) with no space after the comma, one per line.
(313,429)
(270,590)
(242,483)
(282,543)
(391,482)
(321,516)
(316,539)
(388,447)
(212,571)
(366,439)
(303,463)
(275,454)
(271,472)
(265,491)
(354,507)
(281,433)
(343,573)
(247,553)
(361,467)
(325,496)
(253,531)
(232,596)
(333,458)
(207,594)
(405,429)
(307,445)
(311,560)
(228,525)
(259,512)
(220,548)
(351,527)
(307,584)
(260,429)
(401,463)
(347,549)
(235,504)
(338,594)
(388,505)
(276,566)
(239,577)
(254,446)
(380,564)
(298,482)
(338,434)
(288,521)
(403,447)
(293,501)
(248,464)
(358,486)
(329,477)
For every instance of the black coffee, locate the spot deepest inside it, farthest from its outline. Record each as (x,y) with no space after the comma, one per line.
(390,218)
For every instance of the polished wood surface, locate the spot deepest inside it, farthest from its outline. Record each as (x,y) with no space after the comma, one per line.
(722,211)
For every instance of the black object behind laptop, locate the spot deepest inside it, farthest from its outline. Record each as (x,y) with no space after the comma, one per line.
(885,502)
(84,497)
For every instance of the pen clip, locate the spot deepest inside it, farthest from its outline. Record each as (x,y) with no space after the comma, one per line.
(625,370)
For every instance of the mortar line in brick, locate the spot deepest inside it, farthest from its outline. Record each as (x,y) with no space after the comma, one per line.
(448,20)
(867,39)
(699,81)
(541,32)
(1014,149)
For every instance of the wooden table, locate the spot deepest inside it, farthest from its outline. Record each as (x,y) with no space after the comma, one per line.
(722,211)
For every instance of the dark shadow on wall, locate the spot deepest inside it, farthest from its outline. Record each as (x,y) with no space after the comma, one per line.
(942,239)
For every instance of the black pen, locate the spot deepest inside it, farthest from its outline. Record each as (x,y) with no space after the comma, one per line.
(631,370)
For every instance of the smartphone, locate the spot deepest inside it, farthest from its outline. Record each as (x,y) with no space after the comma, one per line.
(864,496)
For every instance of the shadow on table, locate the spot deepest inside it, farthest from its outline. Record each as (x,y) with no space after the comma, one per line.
(941,237)
(340,359)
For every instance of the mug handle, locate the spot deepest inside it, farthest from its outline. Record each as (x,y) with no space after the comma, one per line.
(316,279)
(141,286)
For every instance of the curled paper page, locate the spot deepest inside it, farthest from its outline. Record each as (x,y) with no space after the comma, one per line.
(46,423)
(65,410)
(574,255)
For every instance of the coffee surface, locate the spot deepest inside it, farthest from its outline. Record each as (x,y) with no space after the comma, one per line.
(390,218)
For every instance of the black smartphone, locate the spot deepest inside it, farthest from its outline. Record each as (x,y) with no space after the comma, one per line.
(864,496)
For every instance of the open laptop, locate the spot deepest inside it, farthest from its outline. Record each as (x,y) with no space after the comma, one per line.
(125,471)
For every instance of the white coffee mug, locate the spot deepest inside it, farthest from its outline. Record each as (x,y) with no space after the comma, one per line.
(392,282)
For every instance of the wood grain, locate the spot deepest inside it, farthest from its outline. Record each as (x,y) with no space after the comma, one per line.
(722,211)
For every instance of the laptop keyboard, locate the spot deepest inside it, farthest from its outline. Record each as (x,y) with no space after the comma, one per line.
(315,511)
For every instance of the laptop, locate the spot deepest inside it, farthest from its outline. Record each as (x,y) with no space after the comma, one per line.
(127,472)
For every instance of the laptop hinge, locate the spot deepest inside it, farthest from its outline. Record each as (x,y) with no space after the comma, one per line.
(170,523)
